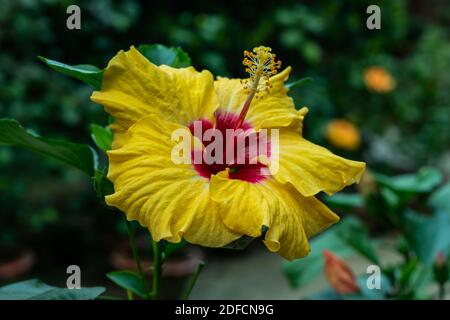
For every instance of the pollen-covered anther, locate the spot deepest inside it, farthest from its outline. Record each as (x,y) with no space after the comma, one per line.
(260,65)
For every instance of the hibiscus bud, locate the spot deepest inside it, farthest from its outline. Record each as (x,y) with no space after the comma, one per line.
(440,268)
(378,79)
(343,134)
(339,275)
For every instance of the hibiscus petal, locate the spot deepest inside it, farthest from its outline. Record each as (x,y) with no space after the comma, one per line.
(242,204)
(133,87)
(172,200)
(273,109)
(311,168)
(291,218)
(299,218)
(198,99)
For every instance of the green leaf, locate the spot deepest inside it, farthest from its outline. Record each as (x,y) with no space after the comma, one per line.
(80,156)
(406,271)
(102,185)
(428,235)
(160,54)
(389,205)
(412,279)
(440,199)
(129,281)
(35,289)
(345,200)
(102,136)
(357,237)
(87,73)
(298,83)
(306,269)
(421,279)
(111,120)
(390,197)
(424,180)
(170,248)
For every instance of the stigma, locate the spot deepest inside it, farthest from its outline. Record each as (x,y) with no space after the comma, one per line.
(260,65)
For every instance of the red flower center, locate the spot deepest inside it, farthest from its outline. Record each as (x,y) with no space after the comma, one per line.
(241,148)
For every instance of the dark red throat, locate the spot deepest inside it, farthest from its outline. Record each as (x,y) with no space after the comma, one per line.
(240,162)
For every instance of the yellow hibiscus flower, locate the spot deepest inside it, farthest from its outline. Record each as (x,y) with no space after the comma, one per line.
(215,204)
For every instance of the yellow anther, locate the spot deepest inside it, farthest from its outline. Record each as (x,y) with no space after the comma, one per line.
(260,65)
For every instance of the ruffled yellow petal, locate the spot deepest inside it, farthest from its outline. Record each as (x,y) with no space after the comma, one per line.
(298,219)
(196,91)
(171,200)
(311,168)
(243,205)
(273,109)
(291,218)
(133,88)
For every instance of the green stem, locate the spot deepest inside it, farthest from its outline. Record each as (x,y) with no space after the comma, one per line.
(135,252)
(441,291)
(193,281)
(156,272)
(129,295)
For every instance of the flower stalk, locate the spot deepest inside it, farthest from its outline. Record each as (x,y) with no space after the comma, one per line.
(156,271)
(441,273)
(135,253)
(193,281)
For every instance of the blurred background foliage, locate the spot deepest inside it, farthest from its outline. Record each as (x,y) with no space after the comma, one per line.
(52,209)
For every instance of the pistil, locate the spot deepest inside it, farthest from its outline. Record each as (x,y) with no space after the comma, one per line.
(261,65)
(247,103)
